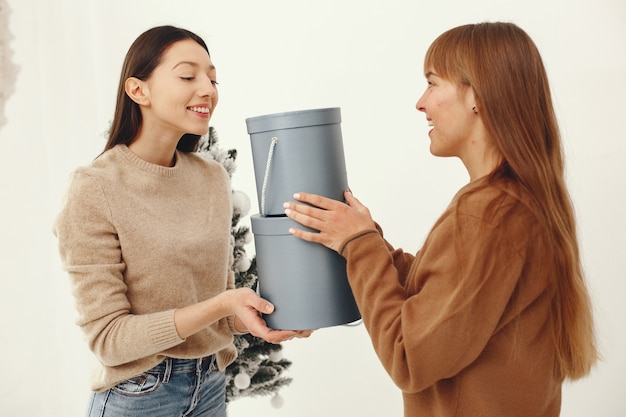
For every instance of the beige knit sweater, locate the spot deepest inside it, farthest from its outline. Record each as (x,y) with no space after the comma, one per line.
(463,327)
(139,240)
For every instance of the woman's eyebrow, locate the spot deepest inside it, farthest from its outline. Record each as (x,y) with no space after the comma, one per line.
(193,64)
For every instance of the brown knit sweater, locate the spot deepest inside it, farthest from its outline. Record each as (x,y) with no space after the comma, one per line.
(138,241)
(462,327)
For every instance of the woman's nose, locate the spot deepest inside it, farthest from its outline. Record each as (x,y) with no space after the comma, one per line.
(420,106)
(209,88)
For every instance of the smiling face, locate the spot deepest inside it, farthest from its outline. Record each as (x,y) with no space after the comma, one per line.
(448,108)
(457,125)
(181,93)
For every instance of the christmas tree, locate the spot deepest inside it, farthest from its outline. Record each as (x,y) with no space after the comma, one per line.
(259,368)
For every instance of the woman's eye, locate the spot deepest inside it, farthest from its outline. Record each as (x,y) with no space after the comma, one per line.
(187,78)
(214,82)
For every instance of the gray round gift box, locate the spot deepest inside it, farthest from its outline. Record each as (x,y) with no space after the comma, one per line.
(308,156)
(305,281)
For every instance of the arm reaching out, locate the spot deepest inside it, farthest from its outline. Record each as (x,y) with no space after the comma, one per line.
(244,304)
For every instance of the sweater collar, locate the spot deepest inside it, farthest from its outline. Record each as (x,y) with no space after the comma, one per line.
(160,170)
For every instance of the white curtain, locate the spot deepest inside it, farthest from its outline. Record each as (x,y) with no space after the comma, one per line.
(273,56)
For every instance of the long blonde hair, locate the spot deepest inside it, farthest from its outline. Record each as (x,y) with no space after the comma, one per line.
(502,65)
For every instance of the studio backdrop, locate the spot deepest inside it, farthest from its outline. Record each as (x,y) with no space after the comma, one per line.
(60,63)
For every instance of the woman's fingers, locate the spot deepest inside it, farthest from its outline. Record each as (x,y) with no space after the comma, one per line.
(352,200)
(316,200)
(247,309)
(277,336)
(333,220)
(303,214)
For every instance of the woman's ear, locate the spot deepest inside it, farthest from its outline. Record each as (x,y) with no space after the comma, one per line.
(137,90)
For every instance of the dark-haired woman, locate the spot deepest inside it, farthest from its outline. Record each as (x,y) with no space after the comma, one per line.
(492,314)
(144,233)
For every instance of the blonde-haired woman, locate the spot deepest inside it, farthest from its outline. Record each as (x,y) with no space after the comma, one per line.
(493,313)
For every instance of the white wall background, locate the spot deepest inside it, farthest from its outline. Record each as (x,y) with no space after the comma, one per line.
(274,56)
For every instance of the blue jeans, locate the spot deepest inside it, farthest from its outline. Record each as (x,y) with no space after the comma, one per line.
(173,388)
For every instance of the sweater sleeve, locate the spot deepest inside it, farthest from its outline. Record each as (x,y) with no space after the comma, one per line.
(455,293)
(91,254)
(401,260)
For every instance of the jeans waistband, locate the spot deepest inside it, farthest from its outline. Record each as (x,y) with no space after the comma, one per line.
(174,365)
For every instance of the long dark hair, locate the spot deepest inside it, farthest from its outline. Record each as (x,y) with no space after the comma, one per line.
(143,56)
(502,65)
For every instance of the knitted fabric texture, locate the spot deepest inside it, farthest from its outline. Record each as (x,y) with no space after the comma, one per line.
(138,241)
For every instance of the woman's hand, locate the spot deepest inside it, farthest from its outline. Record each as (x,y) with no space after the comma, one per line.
(247,305)
(336,221)
(244,304)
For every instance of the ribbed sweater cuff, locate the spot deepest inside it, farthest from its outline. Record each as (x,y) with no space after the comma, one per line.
(355,237)
(162,330)
(233,329)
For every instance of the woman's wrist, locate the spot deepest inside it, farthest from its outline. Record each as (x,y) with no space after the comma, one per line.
(239,326)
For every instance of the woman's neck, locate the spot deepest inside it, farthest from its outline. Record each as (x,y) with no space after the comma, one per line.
(480,156)
(157,150)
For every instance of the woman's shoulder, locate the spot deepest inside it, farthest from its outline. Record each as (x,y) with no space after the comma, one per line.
(205,165)
(482,191)
(494,201)
(103,162)
(201,160)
